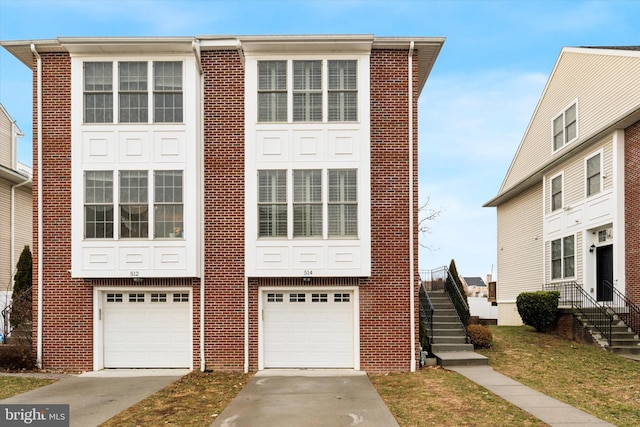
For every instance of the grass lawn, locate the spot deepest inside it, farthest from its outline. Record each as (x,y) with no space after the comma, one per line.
(437,397)
(585,376)
(11,386)
(194,400)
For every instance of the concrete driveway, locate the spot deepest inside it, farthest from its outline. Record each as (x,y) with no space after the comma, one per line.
(311,398)
(94,397)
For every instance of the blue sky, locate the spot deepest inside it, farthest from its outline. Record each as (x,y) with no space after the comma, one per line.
(473,110)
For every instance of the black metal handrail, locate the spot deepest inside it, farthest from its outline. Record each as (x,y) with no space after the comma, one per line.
(9,326)
(426,312)
(457,299)
(572,294)
(626,310)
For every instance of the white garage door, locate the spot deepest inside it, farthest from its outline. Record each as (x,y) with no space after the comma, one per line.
(308,329)
(146,329)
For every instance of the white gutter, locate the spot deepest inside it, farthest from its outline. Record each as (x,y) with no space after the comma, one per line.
(412,293)
(40,249)
(196,51)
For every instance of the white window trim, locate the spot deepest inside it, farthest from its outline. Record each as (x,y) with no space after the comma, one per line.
(325,87)
(562,113)
(586,184)
(563,278)
(550,197)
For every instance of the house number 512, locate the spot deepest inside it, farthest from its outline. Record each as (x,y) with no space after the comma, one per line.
(134,273)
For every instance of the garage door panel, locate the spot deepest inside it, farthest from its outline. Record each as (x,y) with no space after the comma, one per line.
(309,329)
(148,333)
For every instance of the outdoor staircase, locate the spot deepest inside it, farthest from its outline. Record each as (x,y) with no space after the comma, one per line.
(623,340)
(449,342)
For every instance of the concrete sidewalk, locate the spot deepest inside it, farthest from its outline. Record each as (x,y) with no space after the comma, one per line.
(292,398)
(541,406)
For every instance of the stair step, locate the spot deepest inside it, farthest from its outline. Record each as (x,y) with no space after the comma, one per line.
(436,348)
(446,325)
(449,333)
(625,349)
(449,339)
(460,358)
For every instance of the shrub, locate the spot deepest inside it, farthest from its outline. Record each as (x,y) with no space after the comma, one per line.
(16,357)
(538,309)
(480,335)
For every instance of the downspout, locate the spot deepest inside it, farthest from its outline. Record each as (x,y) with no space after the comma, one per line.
(412,293)
(246,279)
(196,51)
(40,227)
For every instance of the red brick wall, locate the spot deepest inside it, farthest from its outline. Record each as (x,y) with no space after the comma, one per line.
(68,303)
(632,211)
(224,210)
(67,317)
(384,297)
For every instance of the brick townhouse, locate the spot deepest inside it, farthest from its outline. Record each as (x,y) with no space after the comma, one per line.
(226,203)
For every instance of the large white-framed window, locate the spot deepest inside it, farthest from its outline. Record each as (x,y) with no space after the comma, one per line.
(565,127)
(563,258)
(272,91)
(272,203)
(556,192)
(133,97)
(307,203)
(169,204)
(593,174)
(318,90)
(98,92)
(140,212)
(343,203)
(98,204)
(307,91)
(313,192)
(132,85)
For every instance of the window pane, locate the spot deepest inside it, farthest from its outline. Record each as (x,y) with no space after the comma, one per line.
(98,207)
(568,256)
(134,210)
(272,203)
(272,75)
(98,76)
(307,75)
(556,259)
(168,208)
(343,208)
(307,107)
(556,193)
(343,75)
(167,97)
(98,96)
(307,207)
(593,175)
(343,95)
(558,137)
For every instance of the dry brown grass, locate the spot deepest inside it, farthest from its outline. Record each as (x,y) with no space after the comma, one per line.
(437,397)
(194,400)
(14,385)
(585,376)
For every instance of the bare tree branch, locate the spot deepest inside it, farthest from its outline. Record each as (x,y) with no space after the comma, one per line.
(426,215)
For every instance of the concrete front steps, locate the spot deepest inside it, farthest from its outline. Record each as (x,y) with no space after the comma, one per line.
(623,340)
(449,340)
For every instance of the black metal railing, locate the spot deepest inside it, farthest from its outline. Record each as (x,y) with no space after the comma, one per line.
(12,319)
(626,310)
(426,315)
(572,295)
(440,279)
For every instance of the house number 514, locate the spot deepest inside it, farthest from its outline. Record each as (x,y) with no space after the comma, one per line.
(308,272)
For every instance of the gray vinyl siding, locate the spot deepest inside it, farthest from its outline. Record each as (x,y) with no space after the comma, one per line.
(520,244)
(23,218)
(605,85)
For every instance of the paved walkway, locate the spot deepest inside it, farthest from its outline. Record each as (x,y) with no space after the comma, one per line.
(541,406)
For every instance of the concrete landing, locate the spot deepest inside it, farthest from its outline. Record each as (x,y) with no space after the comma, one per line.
(541,406)
(449,359)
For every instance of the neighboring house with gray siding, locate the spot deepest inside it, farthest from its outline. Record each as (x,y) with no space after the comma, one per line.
(566,208)
(15,205)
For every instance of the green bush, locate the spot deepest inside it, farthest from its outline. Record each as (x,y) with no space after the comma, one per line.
(538,309)
(17,356)
(480,335)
